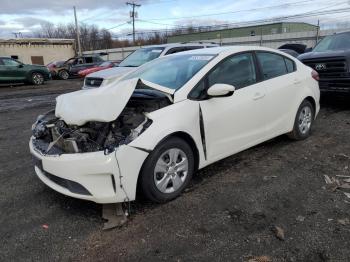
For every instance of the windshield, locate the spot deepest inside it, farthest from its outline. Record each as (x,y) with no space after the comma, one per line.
(105,64)
(334,42)
(141,56)
(171,71)
(70,61)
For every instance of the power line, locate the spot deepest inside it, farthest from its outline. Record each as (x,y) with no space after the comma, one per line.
(237,11)
(117,26)
(160,2)
(316,12)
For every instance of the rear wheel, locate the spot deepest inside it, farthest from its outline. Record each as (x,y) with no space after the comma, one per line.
(37,79)
(63,74)
(303,121)
(167,170)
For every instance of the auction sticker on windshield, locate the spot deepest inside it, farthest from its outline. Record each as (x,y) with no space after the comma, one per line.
(201,57)
(156,50)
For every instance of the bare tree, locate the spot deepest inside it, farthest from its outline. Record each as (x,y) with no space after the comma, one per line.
(93,38)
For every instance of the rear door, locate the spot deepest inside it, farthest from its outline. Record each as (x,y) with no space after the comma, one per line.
(236,122)
(81,64)
(281,83)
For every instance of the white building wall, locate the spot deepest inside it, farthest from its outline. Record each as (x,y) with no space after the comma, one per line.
(49,52)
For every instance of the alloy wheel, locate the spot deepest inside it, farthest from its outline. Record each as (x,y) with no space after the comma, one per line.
(38,79)
(64,75)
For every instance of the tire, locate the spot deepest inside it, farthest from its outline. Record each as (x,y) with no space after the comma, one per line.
(161,179)
(37,79)
(63,74)
(303,121)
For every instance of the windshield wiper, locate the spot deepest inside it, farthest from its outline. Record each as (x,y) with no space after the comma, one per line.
(130,66)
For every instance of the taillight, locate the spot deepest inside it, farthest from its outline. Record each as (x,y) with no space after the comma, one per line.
(315,75)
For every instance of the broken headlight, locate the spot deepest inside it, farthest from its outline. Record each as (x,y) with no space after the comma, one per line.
(123,135)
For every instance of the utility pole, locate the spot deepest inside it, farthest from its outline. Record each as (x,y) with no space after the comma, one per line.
(318,32)
(133,15)
(77,30)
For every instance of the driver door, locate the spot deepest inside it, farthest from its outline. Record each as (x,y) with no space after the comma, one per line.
(236,122)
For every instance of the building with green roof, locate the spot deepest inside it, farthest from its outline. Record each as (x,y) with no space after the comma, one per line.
(255,30)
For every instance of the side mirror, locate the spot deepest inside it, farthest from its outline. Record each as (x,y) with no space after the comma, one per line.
(220,90)
(20,66)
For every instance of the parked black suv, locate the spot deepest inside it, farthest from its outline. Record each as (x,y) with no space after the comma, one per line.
(331,59)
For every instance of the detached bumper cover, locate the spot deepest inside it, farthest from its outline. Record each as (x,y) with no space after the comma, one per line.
(92,176)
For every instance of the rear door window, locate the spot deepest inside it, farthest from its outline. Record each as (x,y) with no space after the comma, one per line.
(88,60)
(272,65)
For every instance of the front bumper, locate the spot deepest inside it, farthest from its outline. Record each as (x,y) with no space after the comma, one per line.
(92,176)
(341,85)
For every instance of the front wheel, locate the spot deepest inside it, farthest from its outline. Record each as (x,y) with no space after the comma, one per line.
(63,74)
(303,121)
(37,79)
(167,170)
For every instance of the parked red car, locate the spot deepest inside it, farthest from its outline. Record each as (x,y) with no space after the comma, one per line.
(104,65)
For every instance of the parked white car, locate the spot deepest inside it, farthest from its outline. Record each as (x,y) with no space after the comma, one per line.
(138,58)
(177,114)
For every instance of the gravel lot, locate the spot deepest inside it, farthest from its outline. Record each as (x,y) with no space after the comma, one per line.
(227,214)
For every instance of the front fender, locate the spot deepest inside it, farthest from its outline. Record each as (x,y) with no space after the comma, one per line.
(170,120)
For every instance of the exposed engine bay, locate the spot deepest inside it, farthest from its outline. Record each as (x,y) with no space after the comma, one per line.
(52,136)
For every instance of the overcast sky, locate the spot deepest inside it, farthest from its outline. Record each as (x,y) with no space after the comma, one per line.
(26,16)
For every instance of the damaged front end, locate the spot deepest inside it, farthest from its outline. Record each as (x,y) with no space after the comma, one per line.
(53,136)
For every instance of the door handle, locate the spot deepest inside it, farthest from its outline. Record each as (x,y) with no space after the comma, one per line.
(258,95)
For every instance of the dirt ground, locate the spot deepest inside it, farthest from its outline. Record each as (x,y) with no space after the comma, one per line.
(227,214)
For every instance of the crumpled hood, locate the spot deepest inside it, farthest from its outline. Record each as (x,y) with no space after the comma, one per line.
(102,104)
(112,72)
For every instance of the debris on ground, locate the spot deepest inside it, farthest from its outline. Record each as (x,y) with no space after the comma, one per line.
(45,226)
(300,218)
(260,259)
(338,182)
(115,215)
(342,156)
(344,221)
(347,194)
(279,232)
(266,178)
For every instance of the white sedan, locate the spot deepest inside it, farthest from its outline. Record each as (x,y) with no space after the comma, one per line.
(154,128)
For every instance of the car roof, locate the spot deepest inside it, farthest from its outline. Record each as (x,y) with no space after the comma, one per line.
(182,44)
(341,33)
(224,49)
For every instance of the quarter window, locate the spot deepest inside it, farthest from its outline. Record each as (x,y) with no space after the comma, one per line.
(272,65)
(238,70)
(290,65)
